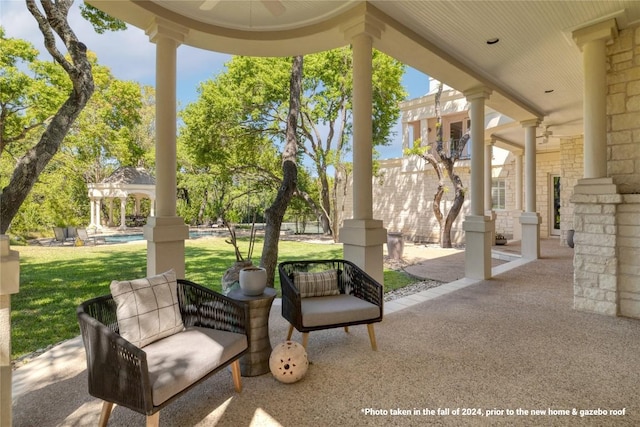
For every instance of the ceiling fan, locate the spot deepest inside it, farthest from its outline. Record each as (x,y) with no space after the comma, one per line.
(545,135)
(275,7)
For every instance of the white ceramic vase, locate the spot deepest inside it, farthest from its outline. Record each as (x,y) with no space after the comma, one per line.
(253,280)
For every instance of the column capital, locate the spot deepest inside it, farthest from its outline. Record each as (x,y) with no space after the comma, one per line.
(605,31)
(530,123)
(363,25)
(480,92)
(159,28)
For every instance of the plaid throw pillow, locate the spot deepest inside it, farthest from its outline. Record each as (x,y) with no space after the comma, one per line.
(319,284)
(147,309)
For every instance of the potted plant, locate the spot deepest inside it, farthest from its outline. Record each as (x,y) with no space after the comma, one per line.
(500,239)
(243,274)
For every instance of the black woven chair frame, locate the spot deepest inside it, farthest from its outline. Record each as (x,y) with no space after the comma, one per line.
(351,281)
(117,369)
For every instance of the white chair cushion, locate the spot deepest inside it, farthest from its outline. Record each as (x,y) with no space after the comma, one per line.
(147,309)
(336,309)
(181,359)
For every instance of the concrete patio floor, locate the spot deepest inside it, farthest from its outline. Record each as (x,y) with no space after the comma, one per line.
(465,353)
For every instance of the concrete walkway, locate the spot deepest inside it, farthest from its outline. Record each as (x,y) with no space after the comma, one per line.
(466,353)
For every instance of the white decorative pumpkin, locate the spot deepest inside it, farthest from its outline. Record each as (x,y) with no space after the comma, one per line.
(288,362)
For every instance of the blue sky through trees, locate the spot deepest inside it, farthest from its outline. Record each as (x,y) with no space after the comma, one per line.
(131,56)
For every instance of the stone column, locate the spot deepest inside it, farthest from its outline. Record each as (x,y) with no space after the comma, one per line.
(517,229)
(478,228)
(9,284)
(166,232)
(530,220)
(363,237)
(596,197)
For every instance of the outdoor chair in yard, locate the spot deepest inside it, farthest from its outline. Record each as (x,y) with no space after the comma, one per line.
(328,294)
(151,340)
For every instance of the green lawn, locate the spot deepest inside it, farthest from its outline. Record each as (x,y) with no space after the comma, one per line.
(54,280)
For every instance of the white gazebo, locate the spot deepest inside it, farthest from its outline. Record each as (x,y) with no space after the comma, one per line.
(124,182)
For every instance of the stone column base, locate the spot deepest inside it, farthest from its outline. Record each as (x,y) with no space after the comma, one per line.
(530,223)
(596,268)
(478,240)
(363,240)
(165,244)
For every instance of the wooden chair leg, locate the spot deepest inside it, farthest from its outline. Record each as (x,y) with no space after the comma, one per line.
(153,420)
(346,329)
(105,413)
(235,373)
(305,339)
(290,332)
(372,337)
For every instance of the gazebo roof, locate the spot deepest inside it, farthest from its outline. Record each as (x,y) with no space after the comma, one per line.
(130,175)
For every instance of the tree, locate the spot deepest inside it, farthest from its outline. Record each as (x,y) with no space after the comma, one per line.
(326,104)
(103,137)
(443,164)
(52,19)
(275,213)
(259,107)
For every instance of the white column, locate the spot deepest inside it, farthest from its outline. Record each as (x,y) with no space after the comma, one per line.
(166,232)
(98,208)
(488,176)
(362,127)
(517,228)
(478,228)
(405,136)
(530,219)
(518,183)
(123,213)
(363,237)
(592,41)
(92,207)
(9,284)
(424,131)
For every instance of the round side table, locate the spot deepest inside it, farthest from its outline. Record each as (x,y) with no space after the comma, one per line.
(256,361)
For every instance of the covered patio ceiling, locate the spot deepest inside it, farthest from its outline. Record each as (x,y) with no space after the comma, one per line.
(534,69)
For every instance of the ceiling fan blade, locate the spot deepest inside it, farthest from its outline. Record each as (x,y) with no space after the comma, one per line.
(209,4)
(274,6)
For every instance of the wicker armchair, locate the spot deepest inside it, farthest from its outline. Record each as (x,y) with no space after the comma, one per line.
(119,372)
(359,302)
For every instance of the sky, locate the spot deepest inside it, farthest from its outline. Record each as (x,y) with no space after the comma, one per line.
(131,56)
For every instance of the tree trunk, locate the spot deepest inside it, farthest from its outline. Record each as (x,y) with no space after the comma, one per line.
(325,201)
(274,214)
(30,166)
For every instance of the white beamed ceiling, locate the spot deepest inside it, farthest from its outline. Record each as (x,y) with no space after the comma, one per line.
(443,39)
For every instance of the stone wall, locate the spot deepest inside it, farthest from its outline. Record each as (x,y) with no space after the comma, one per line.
(607,223)
(629,255)
(403,194)
(623,111)
(572,167)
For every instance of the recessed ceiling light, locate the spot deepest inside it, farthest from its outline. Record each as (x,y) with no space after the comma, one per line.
(493,40)
(549,91)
